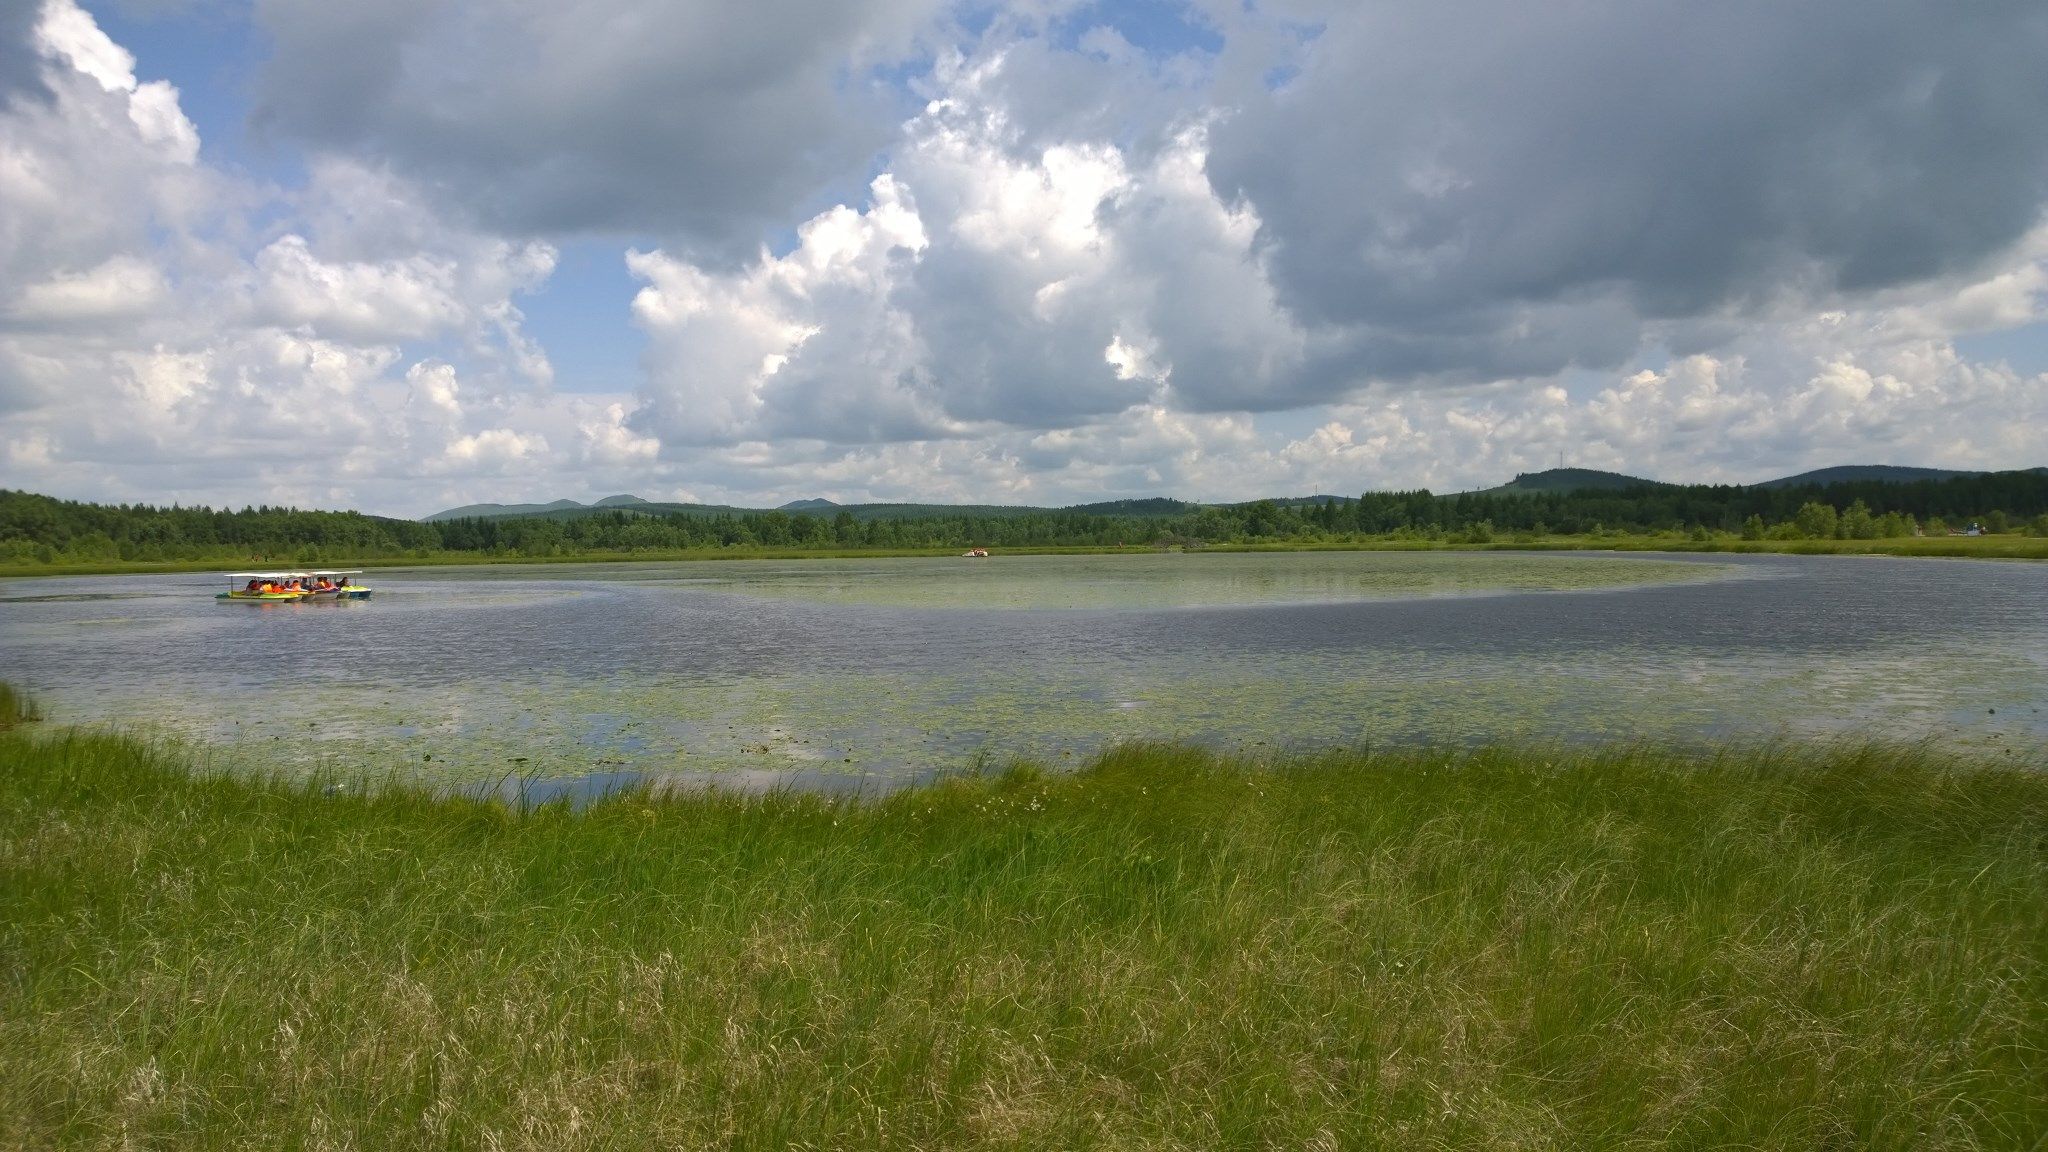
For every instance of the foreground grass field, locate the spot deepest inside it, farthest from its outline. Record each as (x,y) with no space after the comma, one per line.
(1792,948)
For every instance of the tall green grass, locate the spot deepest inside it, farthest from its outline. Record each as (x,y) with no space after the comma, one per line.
(1785,947)
(16,707)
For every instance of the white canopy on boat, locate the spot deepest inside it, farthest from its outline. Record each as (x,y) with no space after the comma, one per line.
(336,572)
(268,575)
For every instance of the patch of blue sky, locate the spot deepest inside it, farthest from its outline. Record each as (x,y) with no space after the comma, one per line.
(2023,349)
(211,51)
(1291,424)
(582,316)
(1281,75)
(851,190)
(1303,35)
(1582,384)
(1158,28)
(1654,357)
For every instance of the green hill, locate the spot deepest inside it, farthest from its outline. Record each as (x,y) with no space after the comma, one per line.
(1863,474)
(1570,480)
(1151,506)
(571,510)
(473,511)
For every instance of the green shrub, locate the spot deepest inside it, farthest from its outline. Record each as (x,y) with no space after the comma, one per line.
(1816,521)
(1857,523)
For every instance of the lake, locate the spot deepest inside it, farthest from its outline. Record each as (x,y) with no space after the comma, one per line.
(842,674)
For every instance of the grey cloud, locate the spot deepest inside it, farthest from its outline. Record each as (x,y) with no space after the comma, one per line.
(1487,188)
(19,75)
(703,120)
(998,359)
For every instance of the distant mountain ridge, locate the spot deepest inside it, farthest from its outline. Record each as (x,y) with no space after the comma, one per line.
(1864,473)
(1548,480)
(621,503)
(1583,479)
(563,509)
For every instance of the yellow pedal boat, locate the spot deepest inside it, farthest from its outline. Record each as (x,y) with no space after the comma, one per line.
(292,587)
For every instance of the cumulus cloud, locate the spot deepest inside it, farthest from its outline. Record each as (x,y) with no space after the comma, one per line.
(147,352)
(1878,382)
(989,282)
(120,286)
(733,353)
(1483,189)
(1310,247)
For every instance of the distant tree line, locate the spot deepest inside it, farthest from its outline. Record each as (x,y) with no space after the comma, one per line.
(2003,499)
(41,530)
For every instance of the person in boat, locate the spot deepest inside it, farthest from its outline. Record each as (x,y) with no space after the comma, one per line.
(344,582)
(254,586)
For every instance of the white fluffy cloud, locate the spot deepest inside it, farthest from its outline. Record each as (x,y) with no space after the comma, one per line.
(1063,314)
(989,282)
(732,354)
(1072,269)
(145,353)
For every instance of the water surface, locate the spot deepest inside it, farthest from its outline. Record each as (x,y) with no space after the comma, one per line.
(865,673)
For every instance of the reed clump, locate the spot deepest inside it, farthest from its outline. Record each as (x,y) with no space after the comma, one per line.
(17,707)
(1773,947)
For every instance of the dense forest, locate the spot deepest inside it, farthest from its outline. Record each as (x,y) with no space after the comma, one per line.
(36,530)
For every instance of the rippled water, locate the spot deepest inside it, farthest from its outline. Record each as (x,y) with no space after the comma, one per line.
(836,674)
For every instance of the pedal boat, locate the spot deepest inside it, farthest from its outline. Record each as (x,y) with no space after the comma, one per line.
(238,587)
(341,591)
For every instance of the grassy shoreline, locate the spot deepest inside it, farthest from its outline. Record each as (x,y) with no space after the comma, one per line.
(2005,547)
(1793,946)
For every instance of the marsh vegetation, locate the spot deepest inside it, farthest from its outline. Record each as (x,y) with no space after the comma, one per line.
(1769,946)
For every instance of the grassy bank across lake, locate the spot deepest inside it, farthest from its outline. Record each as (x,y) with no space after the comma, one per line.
(1794,947)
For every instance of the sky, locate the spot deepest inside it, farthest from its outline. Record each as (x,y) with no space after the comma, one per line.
(400,255)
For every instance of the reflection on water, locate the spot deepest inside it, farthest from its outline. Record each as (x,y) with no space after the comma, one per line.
(861,675)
